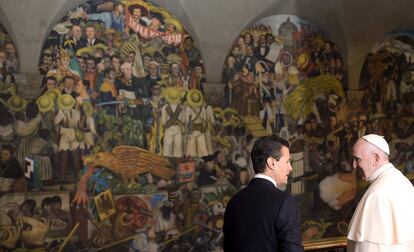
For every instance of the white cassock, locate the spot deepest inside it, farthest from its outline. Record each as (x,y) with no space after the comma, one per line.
(383,220)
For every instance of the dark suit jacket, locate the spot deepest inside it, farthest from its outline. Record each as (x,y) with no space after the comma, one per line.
(262,218)
(70,43)
(258,54)
(83,42)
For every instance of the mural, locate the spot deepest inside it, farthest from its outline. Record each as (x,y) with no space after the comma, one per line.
(387,95)
(284,76)
(8,65)
(129,149)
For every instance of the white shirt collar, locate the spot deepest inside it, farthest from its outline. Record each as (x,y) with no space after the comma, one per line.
(263,176)
(378,172)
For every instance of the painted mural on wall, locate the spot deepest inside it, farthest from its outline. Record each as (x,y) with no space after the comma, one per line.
(117,138)
(284,76)
(8,64)
(124,151)
(387,95)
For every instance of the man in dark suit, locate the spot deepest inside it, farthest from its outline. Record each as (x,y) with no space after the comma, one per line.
(91,38)
(73,42)
(261,217)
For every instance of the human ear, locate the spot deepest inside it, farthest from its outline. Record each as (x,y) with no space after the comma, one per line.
(376,159)
(269,162)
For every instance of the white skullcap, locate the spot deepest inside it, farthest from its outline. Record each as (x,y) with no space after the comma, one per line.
(378,141)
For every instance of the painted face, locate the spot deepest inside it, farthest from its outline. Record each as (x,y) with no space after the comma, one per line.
(155,90)
(69,83)
(47,60)
(131,57)
(76,32)
(235,51)
(283,167)
(5,155)
(146,61)
(56,205)
(198,71)
(231,61)
(170,28)
(2,58)
(155,22)
(240,41)
(101,66)
(50,84)
(153,70)
(175,69)
(90,32)
(136,13)
(99,53)
(79,87)
(127,71)
(64,62)
(90,65)
(116,64)
(120,8)
(244,177)
(247,38)
(362,159)
(10,49)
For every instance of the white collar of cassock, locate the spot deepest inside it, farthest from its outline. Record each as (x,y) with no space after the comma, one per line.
(378,172)
(263,176)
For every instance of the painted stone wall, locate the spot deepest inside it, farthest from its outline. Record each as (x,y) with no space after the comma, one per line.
(123,146)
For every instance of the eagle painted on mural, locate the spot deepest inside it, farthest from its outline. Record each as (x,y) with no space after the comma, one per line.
(126,161)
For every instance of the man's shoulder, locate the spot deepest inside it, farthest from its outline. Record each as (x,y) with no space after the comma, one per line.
(260,190)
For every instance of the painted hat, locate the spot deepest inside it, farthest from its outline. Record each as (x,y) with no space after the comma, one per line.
(144,10)
(210,198)
(16,103)
(150,50)
(66,101)
(195,98)
(53,93)
(156,14)
(61,29)
(109,31)
(87,108)
(172,95)
(85,51)
(45,103)
(174,58)
(165,13)
(178,26)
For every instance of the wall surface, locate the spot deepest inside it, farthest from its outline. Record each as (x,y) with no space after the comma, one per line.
(133,131)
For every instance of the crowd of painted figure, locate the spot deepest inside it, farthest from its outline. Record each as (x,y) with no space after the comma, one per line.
(108,65)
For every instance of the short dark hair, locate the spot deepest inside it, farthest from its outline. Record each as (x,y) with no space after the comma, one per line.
(56,199)
(265,147)
(46,201)
(52,78)
(86,83)
(67,77)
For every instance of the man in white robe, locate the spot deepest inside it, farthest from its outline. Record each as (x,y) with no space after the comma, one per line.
(383,218)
